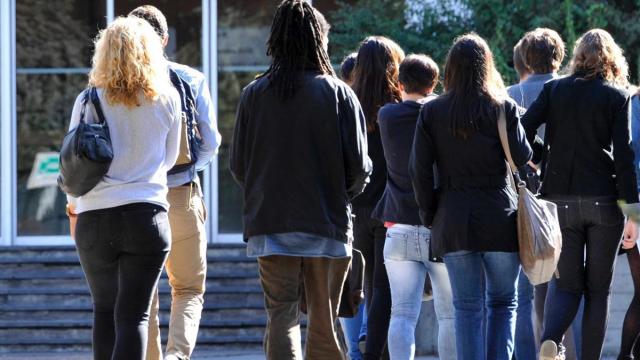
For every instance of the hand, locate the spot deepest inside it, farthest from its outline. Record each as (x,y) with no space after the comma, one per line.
(73,219)
(630,235)
(533,166)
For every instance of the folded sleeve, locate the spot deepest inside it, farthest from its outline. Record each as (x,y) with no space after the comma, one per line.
(357,163)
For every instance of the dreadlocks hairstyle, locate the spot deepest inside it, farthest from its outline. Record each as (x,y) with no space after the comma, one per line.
(296,43)
(473,84)
(375,80)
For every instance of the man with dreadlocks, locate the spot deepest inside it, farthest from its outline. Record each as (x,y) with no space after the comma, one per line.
(299,153)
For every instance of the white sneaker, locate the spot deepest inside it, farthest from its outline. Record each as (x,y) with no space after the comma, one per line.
(550,351)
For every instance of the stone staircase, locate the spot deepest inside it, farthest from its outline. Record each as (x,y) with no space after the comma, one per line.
(45,303)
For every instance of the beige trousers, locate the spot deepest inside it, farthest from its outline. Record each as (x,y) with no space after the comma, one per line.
(187,270)
(281,278)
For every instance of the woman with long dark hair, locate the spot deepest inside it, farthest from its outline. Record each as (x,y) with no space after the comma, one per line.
(376,84)
(468,203)
(299,154)
(588,165)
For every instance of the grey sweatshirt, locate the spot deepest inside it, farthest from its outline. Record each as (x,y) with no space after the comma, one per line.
(145,142)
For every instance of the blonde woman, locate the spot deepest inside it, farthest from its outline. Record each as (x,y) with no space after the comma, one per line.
(122,231)
(587,167)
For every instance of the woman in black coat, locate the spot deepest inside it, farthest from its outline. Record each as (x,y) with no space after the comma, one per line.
(468,202)
(588,165)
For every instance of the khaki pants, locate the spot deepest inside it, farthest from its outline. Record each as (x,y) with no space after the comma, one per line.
(187,270)
(281,278)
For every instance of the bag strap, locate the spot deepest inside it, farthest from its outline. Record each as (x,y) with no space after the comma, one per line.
(95,100)
(504,140)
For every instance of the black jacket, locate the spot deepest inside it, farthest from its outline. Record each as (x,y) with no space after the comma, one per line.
(397,124)
(373,192)
(472,208)
(301,161)
(587,138)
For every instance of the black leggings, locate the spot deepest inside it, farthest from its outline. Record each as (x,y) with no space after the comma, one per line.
(629,348)
(591,233)
(369,235)
(122,251)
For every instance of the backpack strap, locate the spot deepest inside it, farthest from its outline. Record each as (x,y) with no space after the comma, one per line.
(95,100)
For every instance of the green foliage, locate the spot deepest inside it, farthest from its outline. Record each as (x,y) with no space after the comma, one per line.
(501,23)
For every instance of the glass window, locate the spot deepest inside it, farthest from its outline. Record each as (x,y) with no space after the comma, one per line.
(184,20)
(243,29)
(53,53)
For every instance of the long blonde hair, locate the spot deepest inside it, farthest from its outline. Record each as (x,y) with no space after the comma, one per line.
(129,62)
(597,54)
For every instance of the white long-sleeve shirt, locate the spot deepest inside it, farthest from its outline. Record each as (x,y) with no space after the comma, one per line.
(145,142)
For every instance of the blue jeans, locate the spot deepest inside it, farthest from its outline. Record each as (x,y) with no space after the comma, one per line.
(469,273)
(406,257)
(354,329)
(525,338)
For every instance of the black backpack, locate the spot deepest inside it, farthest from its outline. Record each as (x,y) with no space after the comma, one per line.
(190,138)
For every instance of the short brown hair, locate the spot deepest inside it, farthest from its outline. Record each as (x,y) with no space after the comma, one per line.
(543,50)
(418,73)
(518,60)
(153,16)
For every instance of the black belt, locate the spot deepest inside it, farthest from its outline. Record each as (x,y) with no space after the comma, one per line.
(474,182)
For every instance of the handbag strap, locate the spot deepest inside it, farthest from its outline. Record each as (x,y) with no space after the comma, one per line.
(504,140)
(95,100)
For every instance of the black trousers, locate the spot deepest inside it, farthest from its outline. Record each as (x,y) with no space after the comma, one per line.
(591,232)
(369,236)
(122,251)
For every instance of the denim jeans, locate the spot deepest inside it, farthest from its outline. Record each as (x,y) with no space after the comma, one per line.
(591,233)
(406,256)
(122,251)
(354,329)
(469,273)
(369,238)
(525,339)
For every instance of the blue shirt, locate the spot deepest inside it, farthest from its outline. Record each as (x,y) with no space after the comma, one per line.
(297,244)
(206,120)
(527,91)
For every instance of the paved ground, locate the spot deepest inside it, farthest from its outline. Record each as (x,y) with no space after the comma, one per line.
(218,355)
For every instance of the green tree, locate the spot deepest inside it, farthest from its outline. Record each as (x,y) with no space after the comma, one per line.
(501,23)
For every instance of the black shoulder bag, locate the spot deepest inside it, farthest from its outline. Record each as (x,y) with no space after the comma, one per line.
(86,152)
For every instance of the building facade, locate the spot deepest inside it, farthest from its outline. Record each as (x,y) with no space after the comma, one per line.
(45,55)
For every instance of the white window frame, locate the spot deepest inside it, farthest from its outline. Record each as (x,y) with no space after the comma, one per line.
(8,125)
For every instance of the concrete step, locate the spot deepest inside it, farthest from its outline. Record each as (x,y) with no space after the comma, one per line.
(208,314)
(83,335)
(219,270)
(80,283)
(8,253)
(73,259)
(84,290)
(64,301)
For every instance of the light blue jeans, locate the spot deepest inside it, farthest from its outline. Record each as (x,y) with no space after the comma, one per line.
(406,257)
(354,329)
(470,272)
